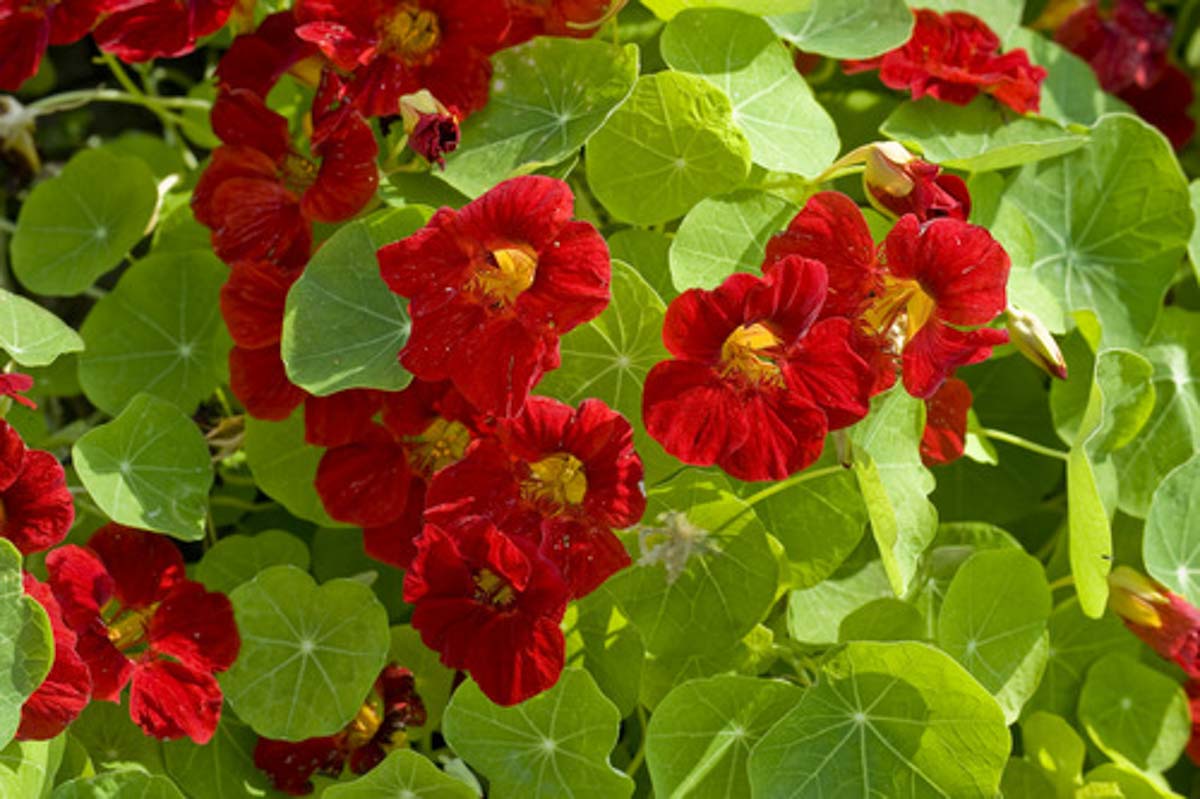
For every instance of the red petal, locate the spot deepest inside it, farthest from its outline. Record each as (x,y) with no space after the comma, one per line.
(67,688)
(933,354)
(258,219)
(259,381)
(790,297)
(292,764)
(945,434)
(158,28)
(196,627)
(12,455)
(81,584)
(348,175)
(168,700)
(24,36)
(14,384)
(787,435)
(572,281)
(252,302)
(144,566)
(340,418)
(427,261)
(38,509)
(692,413)
(698,322)
(109,669)
(585,553)
(824,369)
(395,543)
(531,660)
(241,118)
(529,211)
(365,483)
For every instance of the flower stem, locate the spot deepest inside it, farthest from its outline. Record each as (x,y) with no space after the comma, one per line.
(640,755)
(1062,582)
(796,479)
(1023,443)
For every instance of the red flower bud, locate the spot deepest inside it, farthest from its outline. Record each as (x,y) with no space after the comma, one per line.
(431,127)
(1165,621)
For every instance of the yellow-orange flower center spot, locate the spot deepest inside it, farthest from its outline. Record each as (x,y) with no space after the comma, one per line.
(506,274)
(490,588)
(901,300)
(128,629)
(748,352)
(365,724)
(409,33)
(442,444)
(559,479)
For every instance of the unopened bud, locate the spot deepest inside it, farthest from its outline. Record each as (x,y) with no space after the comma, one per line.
(887,168)
(431,127)
(17,128)
(1135,597)
(897,182)
(1035,342)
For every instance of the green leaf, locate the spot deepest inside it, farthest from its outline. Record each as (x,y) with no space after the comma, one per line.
(548,97)
(26,642)
(886,719)
(701,734)
(993,622)
(728,573)
(839,29)
(75,227)
(666,9)
(1172,433)
(1121,400)
(895,484)
(114,742)
(815,615)
(1070,93)
(1002,16)
(1194,242)
(223,768)
(27,768)
(673,143)
(555,744)
(1171,547)
(119,785)
(238,558)
(751,656)
(309,654)
(31,335)
(433,681)
(723,235)
(605,643)
(284,466)
(788,130)
(1129,783)
(1110,223)
(159,332)
(1023,780)
(647,252)
(886,619)
(1056,749)
(149,468)
(1135,714)
(405,775)
(1075,643)
(979,137)
(343,327)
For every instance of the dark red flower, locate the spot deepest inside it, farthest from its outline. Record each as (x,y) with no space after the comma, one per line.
(431,127)
(139,620)
(139,30)
(1193,746)
(1165,105)
(256,61)
(27,27)
(14,384)
(953,57)
(260,382)
(378,728)
(559,477)
(579,19)
(758,377)
(489,604)
(36,508)
(67,688)
(260,196)
(396,47)
(945,434)
(494,285)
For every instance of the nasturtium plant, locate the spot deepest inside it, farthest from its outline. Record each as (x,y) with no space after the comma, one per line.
(630,399)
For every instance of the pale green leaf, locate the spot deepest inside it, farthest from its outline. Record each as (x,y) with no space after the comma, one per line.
(31,335)
(26,642)
(839,29)
(403,774)
(723,235)
(237,558)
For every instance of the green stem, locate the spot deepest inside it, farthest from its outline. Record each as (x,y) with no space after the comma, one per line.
(1062,582)
(640,755)
(1023,443)
(796,479)
(241,504)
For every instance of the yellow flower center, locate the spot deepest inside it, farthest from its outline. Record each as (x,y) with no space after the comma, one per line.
(409,33)
(365,724)
(559,479)
(747,352)
(506,273)
(902,300)
(490,588)
(128,629)
(299,173)
(442,444)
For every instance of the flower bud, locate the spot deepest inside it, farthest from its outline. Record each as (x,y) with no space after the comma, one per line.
(1035,342)
(897,182)
(1165,621)
(431,127)
(17,127)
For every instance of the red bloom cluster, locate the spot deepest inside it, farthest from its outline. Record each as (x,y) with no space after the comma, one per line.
(36,509)
(1128,47)
(132,30)
(139,621)
(377,729)
(953,57)
(765,367)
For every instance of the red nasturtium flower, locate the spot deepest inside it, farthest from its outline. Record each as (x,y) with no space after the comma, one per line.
(27,27)
(36,508)
(139,30)
(489,604)
(13,385)
(1193,746)
(256,61)
(945,435)
(377,729)
(67,688)
(140,621)
(396,47)
(493,286)
(432,128)
(576,18)
(560,477)
(758,377)
(953,57)
(1165,621)
(898,183)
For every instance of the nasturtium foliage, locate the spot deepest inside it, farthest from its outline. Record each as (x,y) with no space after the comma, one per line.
(159,332)
(723,235)
(31,335)
(1172,540)
(119,783)
(1055,749)
(28,646)
(896,719)
(114,743)
(238,558)
(28,768)
(670,145)
(846,30)
(81,224)
(556,744)
(815,614)
(403,773)
(325,643)
(224,767)
(284,466)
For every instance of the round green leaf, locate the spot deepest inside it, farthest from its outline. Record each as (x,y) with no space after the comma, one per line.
(665,9)
(555,744)
(1053,746)
(886,719)
(839,29)
(1070,92)
(309,654)
(27,768)
(238,558)
(1171,547)
(1110,223)
(114,742)
(223,767)
(548,97)
(1002,16)
(978,137)
(1129,783)
(788,130)
(993,622)
(159,332)
(284,466)
(31,335)
(79,225)
(1024,780)
(118,785)
(723,235)
(647,252)
(885,619)
(670,145)
(26,643)
(403,774)
(343,327)
(726,576)
(149,468)
(815,614)
(605,643)
(1134,713)
(701,734)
